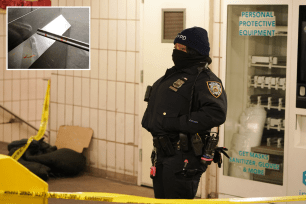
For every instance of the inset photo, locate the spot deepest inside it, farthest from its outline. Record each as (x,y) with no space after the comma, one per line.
(48,38)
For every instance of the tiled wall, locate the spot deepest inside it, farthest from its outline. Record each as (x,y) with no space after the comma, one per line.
(104,98)
(21,92)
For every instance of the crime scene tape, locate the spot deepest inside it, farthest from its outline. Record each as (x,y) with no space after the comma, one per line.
(43,126)
(122,198)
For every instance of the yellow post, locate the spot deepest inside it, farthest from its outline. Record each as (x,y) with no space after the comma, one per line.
(15,177)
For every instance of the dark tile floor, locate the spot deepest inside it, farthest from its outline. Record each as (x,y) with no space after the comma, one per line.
(86,183)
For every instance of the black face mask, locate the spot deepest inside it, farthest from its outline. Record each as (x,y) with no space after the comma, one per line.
(184,60)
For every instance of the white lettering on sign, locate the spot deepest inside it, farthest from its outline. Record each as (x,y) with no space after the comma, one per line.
(258,23)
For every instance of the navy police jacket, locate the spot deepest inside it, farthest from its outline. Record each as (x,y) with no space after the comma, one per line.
(167,112)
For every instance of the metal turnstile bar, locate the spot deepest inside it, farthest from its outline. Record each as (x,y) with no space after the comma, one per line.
(64,39)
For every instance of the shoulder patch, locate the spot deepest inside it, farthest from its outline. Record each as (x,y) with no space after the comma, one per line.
(215,88)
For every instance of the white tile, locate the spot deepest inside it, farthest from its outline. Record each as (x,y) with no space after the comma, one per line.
(129,130)
(95,8)
(7,116)
(39,74)
(111,69)
(111,126)
(102,124)
(111,156)
(68,115)
(138,9)
(15,131)
(136,130)
(32,74)
(111,95)
(24,74)
(137,75)
(120,127)
(32,89)
(102,64)
(121,9)
(1,119)
(131,35)
(77,116)
(78,2)
(216,42)
(7,133)
(85,92)
(216,11)
(39,109)
(24,107)
(120,96)
(136,99)
(70,2)
(131,9)
(2,24)
(136,158)
(53,136)
(23,131)
(8,90)
(94,121)
(16,107)
(69,72)
(121,65)
(102,154)
(1,46)
(24,89)
(16,90)
(129,98)
(86,3)
(78,73)
(93,153)
(94,71)
(102,94)
(62,3)
(77,91)
(54,3)
(94,41)
(32,110)
(40,92)
(86,73)
(53,116)
(130,66)
(16,74)
(113,9)
(1,90)
(61,89)
(60,115)
(1,133)
(85,117)
(53,88)
(129,159)
(112,34)
(2,68)
(120,158)
(69,90)
(5,19)
(94,93)
(8,74)
(31,131)
(121,45)
(103,34)
(103,8)
(138,36)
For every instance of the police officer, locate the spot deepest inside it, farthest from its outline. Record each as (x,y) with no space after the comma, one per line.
(187,100)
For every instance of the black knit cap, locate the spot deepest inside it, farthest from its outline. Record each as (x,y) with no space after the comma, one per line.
(195,38)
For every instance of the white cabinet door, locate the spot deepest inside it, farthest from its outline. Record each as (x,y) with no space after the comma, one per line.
(256,73)
(157,56)
(297,117)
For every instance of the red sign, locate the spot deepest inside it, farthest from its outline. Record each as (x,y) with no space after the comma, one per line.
(5,3)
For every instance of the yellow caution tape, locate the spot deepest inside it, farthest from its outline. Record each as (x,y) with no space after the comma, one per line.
(43,126)
(122,198)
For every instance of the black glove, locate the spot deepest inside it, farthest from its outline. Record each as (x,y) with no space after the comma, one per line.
(217,155)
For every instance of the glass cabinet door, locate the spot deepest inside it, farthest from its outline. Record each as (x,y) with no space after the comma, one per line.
(255,83)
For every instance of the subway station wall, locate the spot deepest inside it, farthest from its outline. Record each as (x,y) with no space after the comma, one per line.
(104,98)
